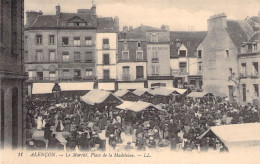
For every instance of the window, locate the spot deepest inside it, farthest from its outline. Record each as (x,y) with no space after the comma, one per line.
(125,45)
(88,56)
(227,53)
(200,54)
(244,92)
(255,68)
(65,41)
(89,72)
(106,59)
(70,24)
(88,41)
(39,56)
(51,39)
(139,72)
(249,46)
(182,53)
(52,55)
(200,66)
(183,67)
(76,41)
(65,56)
(77,73)
(155,69)
(26,56)
(106,44)
(256,90)
(155,57)
(106,73)
(255,47)
(66,72)
(139,44)
(38,39)
(243,69)
(82,24)
(52,75)
(126,70)
(139,55)
(77,57)
(125,55)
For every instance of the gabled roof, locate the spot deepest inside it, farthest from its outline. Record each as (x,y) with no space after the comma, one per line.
(131,36)
(238,31)
(255,37)
(191,40)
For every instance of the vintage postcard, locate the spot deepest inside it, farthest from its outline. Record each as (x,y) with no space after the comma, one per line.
(129,81)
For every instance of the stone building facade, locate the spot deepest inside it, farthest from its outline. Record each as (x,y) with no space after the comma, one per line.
(12,75)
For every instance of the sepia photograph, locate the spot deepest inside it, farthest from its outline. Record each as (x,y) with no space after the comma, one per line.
(130,81)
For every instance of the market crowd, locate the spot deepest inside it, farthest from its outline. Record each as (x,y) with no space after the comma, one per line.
(67,123)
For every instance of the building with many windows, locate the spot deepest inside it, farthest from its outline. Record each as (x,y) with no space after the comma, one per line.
(186,58)
(12,77)
(63,48)
(248,65)
(131,63)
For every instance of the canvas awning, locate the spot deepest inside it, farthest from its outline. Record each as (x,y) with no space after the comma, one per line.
(236,135)
(162,91)
(121,92)
(137,106)
(106,86)
(199,94)
(97,96)
(130,85)
(179,90)
(42,88)
(141,91)
(83,86)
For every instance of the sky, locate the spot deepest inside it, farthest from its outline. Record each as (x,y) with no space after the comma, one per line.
(179,15)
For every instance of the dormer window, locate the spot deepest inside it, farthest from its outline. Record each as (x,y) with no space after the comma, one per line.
(200,54)
(182,53)
(154,37)
(77,24)
(255,47)
(139,44)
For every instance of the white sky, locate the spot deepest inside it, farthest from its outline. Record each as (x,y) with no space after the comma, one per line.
(180,15)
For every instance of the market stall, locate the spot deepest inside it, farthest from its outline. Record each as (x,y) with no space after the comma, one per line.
(126,95)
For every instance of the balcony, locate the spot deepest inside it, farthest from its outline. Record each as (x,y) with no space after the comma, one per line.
(243,75)
(255,75)
(106,47)
(155,60)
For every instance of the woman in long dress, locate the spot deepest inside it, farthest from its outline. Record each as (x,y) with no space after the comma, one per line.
(39,123)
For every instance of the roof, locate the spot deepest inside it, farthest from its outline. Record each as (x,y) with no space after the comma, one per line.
(191,40)
(235,134)
(106,24)
(121,92)
(239,31)
(141,91)
(255,37)
(131,36)
(162,91)
(137,106)
(97,96)
(52,21)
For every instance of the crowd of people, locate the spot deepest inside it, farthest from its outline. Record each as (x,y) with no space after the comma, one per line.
(90,128)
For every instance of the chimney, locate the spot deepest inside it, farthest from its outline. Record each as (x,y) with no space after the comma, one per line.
(167,28)
(116,19)
(217,22)
(93,9)
(58,11)
(163,27)
(130,28)
(125,29)
(31,15)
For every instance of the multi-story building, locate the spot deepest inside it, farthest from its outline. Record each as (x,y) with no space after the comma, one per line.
(158,58)
(131,61)
(62,47)
(248,62)
(186,58)
(221,47)
(12,74)
(106,52)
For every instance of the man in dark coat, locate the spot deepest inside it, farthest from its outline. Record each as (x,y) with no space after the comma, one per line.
(53,142)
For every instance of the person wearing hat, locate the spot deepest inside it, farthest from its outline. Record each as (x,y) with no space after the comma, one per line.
(112,141)
(151,143)
(128,146)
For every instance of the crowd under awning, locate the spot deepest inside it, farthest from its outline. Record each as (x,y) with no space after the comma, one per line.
(199,94)
(97,96)
(236,136)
